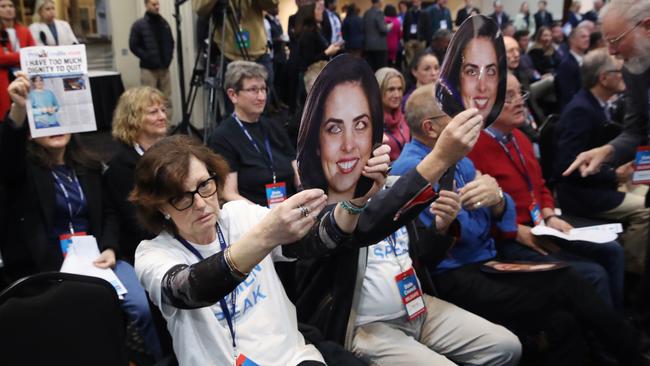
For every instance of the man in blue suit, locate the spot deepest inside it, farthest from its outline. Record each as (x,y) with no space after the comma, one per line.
(440,16)
(581,127)
(567,78)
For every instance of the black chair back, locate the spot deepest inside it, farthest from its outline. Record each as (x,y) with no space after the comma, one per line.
(55,318)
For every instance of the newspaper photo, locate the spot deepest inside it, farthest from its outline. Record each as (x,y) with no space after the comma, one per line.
(59,100)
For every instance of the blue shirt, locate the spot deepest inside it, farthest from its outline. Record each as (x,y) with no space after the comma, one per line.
(476,243)
(41,99)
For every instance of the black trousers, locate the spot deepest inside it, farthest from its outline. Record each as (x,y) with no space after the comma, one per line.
(376,59)
(526,302)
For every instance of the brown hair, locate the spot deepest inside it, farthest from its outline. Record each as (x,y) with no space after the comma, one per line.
(160,175)
(76,155)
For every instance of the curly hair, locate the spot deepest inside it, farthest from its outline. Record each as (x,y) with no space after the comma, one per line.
(131,110)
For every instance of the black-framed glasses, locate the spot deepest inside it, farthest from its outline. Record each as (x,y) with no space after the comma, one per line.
(614,41)
(204,189)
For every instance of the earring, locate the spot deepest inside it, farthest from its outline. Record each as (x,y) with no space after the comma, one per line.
(167,217)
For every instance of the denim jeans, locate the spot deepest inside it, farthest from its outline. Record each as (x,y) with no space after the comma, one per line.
(136,306)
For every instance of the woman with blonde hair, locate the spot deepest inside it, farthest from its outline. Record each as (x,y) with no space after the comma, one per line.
(139,121)
(396,130)
(48,31)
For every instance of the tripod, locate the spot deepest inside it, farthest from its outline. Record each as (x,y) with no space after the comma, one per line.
(204,73)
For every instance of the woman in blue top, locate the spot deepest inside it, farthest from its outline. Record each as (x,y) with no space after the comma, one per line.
(44,104)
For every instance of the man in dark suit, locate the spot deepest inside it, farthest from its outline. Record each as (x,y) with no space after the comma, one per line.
(440,16)
(567,77)
(593,13)
(465,12)
(625,26)
(375,29)
(543,17)
(331,23)
(500,16)
(582,127)
(416,31)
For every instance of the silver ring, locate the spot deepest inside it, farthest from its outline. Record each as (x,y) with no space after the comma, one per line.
(478,204)
(304,211)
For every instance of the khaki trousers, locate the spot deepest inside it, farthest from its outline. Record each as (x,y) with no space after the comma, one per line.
(445,332)
(161,80)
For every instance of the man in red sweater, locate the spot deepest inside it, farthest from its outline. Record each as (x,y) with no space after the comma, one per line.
(506,154)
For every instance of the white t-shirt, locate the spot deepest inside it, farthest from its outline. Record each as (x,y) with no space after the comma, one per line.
(380,299)
(266,328)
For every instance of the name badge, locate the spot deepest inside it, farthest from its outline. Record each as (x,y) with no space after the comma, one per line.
(411,295)
(414,29)
(641,173)
(536,213)
(242,360)
(243,39)
(275,193)
(443,24)
(66,239)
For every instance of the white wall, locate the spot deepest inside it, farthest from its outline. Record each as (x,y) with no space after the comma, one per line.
(122,15)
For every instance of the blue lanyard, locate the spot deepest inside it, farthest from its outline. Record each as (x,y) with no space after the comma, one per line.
(68,201)
(222,301)
(392,240)
(267,143)
(524,174)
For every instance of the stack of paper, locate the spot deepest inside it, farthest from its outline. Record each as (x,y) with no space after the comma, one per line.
(595,234)
(79,260)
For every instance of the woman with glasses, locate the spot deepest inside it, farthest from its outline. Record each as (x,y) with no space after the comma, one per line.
(259,153)
(54,189)
(211,270)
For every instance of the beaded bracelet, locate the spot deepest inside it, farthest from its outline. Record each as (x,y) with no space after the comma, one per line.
(351,208)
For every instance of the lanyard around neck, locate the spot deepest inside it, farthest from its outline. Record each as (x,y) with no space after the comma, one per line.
(523,173)
(68,201)
(222,302)
(267,143)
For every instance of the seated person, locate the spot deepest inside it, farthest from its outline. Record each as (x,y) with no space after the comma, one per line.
(257,149)
(423,70)
(359,305)
(55,188)
(506,154)
(522,302)
(139,121)
(579,129)
(210,269)
(567,77)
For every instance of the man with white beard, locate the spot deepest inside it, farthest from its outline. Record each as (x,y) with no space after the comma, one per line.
(626,29)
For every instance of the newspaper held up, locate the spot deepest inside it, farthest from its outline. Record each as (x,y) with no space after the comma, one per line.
(59,100)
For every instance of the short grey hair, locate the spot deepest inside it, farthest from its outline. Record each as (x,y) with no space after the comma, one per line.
(632,11)
(239,70)
(420,106)
(594,64)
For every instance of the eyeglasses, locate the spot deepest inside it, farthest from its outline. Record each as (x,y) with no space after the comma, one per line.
(185,200)
(512,98)
(614,41)
(255,90)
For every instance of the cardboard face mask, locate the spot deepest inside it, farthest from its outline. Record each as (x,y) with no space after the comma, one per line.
(474,71)
(342,122)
